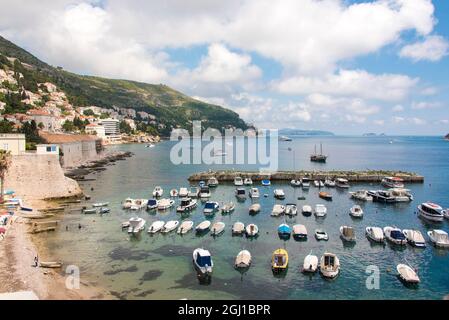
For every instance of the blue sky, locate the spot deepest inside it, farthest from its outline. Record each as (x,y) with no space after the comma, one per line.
(346,66)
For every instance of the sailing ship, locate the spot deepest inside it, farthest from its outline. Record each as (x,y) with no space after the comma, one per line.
(318,157)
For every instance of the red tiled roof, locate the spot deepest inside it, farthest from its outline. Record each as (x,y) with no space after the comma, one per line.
(66,138)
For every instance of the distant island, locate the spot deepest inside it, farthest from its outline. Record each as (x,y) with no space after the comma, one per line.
(446,137)
(298,132)
(370,134)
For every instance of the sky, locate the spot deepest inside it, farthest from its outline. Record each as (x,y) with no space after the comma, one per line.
(350,67)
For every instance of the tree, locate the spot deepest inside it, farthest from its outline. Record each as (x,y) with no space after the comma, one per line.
(125,127)
(88,112)
(5,163)
(6,126)
(68,126)
(41,125)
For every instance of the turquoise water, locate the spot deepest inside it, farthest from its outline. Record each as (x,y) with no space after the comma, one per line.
(160,266)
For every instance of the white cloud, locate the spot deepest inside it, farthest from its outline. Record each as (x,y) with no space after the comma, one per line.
(423,105)
(379,122)
(443,121)
(429,91)
(398,108)
(355,118)
(412,120)
(417,121)
(433,48)
(398,119)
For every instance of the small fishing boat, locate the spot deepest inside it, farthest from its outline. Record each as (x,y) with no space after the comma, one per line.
(194,192)
(203,226)
(295,183)
(202,184)
(310,264)
(392,182)
(156,227)
(248,182)
(361,195)
(26,209)
(90,211)
(279,260)
(170,226)
(320,210)
(299,232)
(401,195)
(439,238)
(329,265)
(136,225)
(183,192)
(321,184)
(185,227)
(100,204)
(255,208)
(202,260)
(104,210)
(342,183)
(228,207)
(152,204)
(329,183)
(325,195)
(238,228)
(240,193)
(356,211)
(210,208)
(212,182)
(347,233)
(205,192)
(316,183)
(307,211)
(125,225)
(50,265)
(279,194)
(395,236)
(278,210)
(217,229)
(127,203)
(251,230)
(266,183)
(431,211)
(291,209)
(254,193)
(139,204)
(174,193)
(305,183)
(284,230)
(320,234)
(375,234)
(243,259)
(187,205)
(407,274)
(238,181)
(158,192)
(414,238)
(165,204)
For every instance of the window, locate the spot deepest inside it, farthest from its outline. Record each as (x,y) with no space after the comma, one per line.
(49,149)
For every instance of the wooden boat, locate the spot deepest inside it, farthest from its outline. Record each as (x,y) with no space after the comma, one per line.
(218,228)
(156,227)
(238,228)
(329,265)
(407,274)
(53,265)
(299,232)
(203,226)
(325,195)
(185,227)
(243,259)
(251,230)
(375,234)
(320,158)
(347,233)
(202,260)
(228,207)
(170,226)
(414,238)
(279,260)
(310,264)
(255,208)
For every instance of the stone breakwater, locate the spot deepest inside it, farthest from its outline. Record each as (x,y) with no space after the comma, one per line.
(352,176)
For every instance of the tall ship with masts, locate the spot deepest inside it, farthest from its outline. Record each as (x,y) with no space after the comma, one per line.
(319,157)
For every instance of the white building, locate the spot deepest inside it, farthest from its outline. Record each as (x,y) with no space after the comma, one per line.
(13,142)
(111,126)
(96,129)
(47,149)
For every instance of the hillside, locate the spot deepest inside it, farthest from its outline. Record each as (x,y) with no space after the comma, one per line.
(169,107)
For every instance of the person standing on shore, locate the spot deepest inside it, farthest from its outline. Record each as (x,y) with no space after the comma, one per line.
(36,261)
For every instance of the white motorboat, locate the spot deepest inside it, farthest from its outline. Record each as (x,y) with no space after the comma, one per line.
(202,259)
(243,259)
(329,183)
(295,183)
(212,182)
(407,274)
(347,233)
(104,210)
(356,211)
(307,210)
(299,232)
(439,238)
(210,208)
(101,204)
(320,234)
(136,225)
(203,226)
(320,210)
(228,207)
(329,265)
(255,208)
(170,226)
(254,193)
(218,228)
(90,211)
(240,193)
(414,238)
(278,210)
(139,204)
(174,193)
(401,195)
(361,195)
(238,181)
(321,184)
(238,228)
(187,205)
(305,183)
(165,204)
(127,203)
(375,234)
(185,227)
(248,182)
(431,211)
(310,264)
(194,192)
(125,225)
(316,183)
(279,194)
(342,183)
(392,182)
(183,192)
(152,204)
(395,236)
(156,227)
(383,196)
(158,192)
(251,230)
(205,192)
(291,209)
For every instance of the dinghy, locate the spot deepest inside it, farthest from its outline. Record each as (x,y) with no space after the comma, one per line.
(194,192)
(329,183)
(278,210)
(248,182)
(375,234)
(279,260)
(158,192)
(183,192)
(291,209)
(414,238)
(104,210)
(255,208)
(212,182)
(50,265)
(165,204)
(238,228)
(139,204)
(218,228)
(90,211)
(307,211)
(295,183)
(320,211)
(320,234)
(310,264)
(266,183)
(395,236)
(329,265)
(205,192)
(210,208)
(202,260)
(170,226)
(203,226)
(156,227)
(284,231)
(152,204)
(185,227)
(299,232)
(279,194)
(254,193)
(439,238)
(407,274)
(240,194)
(136,225)
(228,207)
(100,204)
(347,233)
(325,195)
(251,230)
(173,193)
(243,259)
(238,181)
(356,211)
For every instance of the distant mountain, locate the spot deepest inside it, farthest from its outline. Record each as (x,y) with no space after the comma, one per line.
(298,132)
(171,108)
